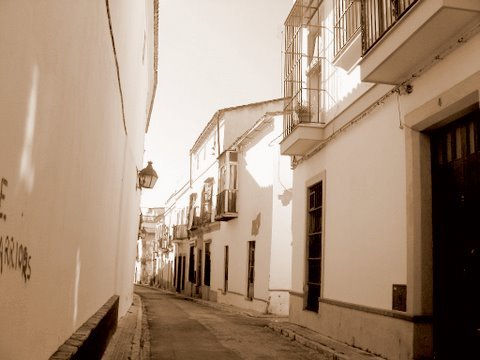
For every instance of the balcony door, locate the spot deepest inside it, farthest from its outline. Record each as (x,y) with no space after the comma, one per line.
(456,238)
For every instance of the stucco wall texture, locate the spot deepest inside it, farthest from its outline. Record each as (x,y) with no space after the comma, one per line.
(69,164)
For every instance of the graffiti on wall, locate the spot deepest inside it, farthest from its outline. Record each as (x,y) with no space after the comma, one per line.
(13,255)
(3,186)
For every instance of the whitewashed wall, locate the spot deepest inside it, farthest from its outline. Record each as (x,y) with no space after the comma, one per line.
(71,204)
(263,180)
(364,234)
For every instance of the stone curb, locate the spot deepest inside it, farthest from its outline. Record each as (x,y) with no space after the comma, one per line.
(91,339)
(131,340)
(329,348)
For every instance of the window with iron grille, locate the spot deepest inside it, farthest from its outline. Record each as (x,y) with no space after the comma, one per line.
(227,184)
(206,205)
(302,45)
(314,246)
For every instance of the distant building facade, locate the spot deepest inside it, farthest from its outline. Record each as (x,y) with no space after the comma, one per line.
(149,243)
(381,124)
(230,239)
(77,84)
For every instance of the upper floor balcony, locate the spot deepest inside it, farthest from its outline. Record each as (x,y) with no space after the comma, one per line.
(180,232)
(226,205)
(401,36)
(389,40)
(302,78)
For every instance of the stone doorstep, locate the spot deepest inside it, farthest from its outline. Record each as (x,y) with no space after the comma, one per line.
(331,349)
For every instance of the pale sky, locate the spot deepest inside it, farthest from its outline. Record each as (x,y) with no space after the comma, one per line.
(212,54)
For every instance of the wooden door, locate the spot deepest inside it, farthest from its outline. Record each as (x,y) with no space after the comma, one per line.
(251,269)
(225,281)
(456,238)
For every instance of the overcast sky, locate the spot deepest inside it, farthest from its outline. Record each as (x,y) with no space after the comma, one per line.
(212,54)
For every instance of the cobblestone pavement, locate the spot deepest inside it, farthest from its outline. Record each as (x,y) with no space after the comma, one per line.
(183,329)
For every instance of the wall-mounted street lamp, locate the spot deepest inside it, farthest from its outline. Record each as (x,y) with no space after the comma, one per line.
(147,177)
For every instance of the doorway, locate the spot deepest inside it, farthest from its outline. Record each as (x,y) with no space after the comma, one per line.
(455,151)
(206,277)
(225,271)
(198,287)
(182,277)
(251,269)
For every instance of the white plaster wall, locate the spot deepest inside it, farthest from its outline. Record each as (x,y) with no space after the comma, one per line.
(281,239)
(357,213)
(262,175)
(451,70)
(365,224)
(239,120)
(71,168)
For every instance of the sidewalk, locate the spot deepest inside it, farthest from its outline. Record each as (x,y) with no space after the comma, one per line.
(131,339)
(331,349)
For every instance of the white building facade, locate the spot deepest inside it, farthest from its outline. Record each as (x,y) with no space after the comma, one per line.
(232,244)
(381,124)
(149,247)
(77,85)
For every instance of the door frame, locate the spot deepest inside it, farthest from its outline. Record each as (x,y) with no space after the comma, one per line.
(437,112)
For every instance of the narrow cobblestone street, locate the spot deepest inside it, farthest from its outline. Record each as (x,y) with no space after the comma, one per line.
(183,329)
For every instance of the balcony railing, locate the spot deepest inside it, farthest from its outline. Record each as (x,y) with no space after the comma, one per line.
(197,222)
(180,231)
(347,22)
(378,16)
(226,205)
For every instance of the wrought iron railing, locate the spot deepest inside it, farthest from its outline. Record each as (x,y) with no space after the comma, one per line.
(180,231)
(298,89)
(197,222)
(347,22)
(378,16)
(227,202)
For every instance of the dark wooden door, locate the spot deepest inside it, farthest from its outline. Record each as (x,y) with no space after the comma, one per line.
(177,272)
(183,273)
(206,276)
(225,280)
(456,238)
(251,269)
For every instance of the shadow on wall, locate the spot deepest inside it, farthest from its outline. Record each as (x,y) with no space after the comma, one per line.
(285,197)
